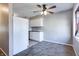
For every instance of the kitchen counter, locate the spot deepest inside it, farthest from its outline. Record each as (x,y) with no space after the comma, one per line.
(35,31)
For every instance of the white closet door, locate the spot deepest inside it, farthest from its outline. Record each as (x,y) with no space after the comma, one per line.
(20,34)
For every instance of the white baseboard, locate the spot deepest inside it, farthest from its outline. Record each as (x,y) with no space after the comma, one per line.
(75,51)
(59,43)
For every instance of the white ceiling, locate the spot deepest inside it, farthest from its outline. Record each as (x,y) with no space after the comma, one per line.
(26,9)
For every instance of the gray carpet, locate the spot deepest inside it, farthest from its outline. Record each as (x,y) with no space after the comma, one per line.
(48,49)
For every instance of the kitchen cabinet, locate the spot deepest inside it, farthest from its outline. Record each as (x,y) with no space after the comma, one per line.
(36,22)
(37,36)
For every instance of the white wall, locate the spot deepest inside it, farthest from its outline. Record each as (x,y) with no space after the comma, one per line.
(57,27)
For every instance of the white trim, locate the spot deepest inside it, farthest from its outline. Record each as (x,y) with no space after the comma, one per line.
(10,30)
(59,43)
(75,51)
(75,38)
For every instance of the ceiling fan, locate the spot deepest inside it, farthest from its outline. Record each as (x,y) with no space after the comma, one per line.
(45,10)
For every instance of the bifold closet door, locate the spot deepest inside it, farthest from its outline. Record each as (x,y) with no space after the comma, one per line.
(20,34)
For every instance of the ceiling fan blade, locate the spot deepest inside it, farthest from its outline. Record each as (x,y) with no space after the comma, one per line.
(39,6)
(52,7)
(36,11)
(50,12)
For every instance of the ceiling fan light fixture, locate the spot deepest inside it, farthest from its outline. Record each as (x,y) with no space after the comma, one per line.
(44,13)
